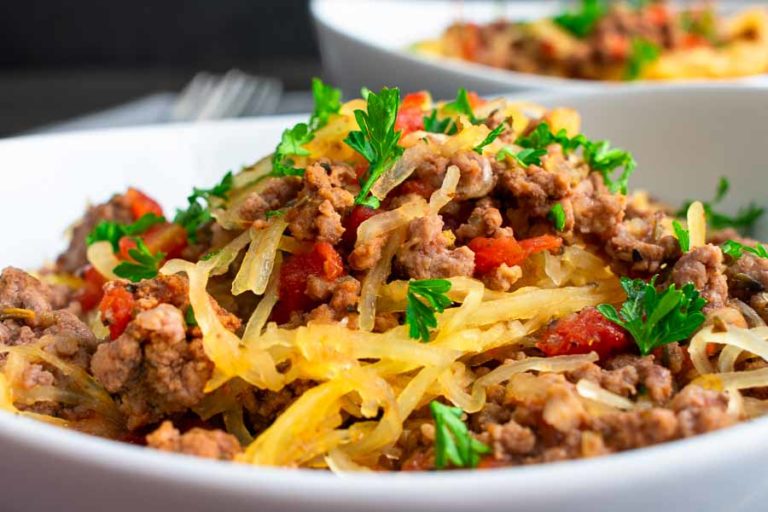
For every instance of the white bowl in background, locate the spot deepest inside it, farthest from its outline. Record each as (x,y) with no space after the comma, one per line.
(683,139)
(366,43)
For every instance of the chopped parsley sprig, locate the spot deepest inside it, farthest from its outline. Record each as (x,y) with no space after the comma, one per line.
(598,154)
(292,142)
(641,54)
(377,140)
(112,232)
(492,136)
(525,157)
(453,442)
(462,105)
(656,318)
(557,216)
(736,249)
(423,299)
(198,210)
(683,236)
(744,220)
(145,265)
(581,23)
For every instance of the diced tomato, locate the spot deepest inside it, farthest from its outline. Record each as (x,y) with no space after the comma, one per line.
(360,170)
(168,238)
(470,41)
(547,49)
(617,45)
(116,310)
(322,261)
(357,216)
(492,252)
(421,100)
(141,204)
(410,117)
(657,14)
(694,41)
(475,100)
(92,291)
(584,332)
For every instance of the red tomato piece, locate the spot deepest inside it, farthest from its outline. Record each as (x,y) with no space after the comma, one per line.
(584,332)
(410,117)
(694,41)
(141,204)
(357,216)
(657,14)
(415,186)
(420,100)
(92,291)
(322,261)
(618,46)
(475,100)
(492,252)
(116,310)
(168,238)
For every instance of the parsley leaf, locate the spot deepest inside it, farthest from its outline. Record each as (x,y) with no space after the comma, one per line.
(492,136)
(144,266)
(210,255)
(582,22)
(453,442)
(744,220)
(112,232)
(420,316)
(197,214)
(599,154)
(461,105)
(557,216)
(642,53)
(683,236)
(525,157)
(656,318)
(189,317)
(604,159)
(327,102)
(377,140)
(434,125)
(274,213)
(736,250)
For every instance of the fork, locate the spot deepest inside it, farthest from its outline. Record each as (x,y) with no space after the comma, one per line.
(234,94)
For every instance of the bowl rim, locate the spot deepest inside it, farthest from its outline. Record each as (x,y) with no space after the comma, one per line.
(697,454)
(325,21)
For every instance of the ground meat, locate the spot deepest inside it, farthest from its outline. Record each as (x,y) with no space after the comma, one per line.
(484,221)
(426,253)
(476,175)
(264,405)
(20,290)
(152,367)
(656,379)
(700,410)
(163,289)
(365,255)
(511,439)
(747,276)
(622,381)
(343,293)
(596,210)
(272,194)
(535,189)
(327,196)
(639,245)
(635,429)
(116,209)
(503,277)
(703,267)
(759,302)
(211,444)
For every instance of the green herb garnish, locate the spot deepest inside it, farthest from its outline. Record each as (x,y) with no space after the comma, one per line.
(492,136)
(453,442)
(327,102)
(434,125)
(743,221)
(683,236)
(189,317)
(656,318)
(420,314)
(736,249)
(145,265)
(198,210)
(274,213)
(377,140)
(557,216)
(461,105)
(112,232)
(525,157)
(581,23)
(641,54)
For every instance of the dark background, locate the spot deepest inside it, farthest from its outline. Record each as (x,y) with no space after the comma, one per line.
(61,59)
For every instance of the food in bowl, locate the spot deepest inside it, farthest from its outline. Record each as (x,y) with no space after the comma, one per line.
(617,41)
(402,285)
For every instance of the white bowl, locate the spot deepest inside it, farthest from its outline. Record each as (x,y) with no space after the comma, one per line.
(683,139)
(365,42)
